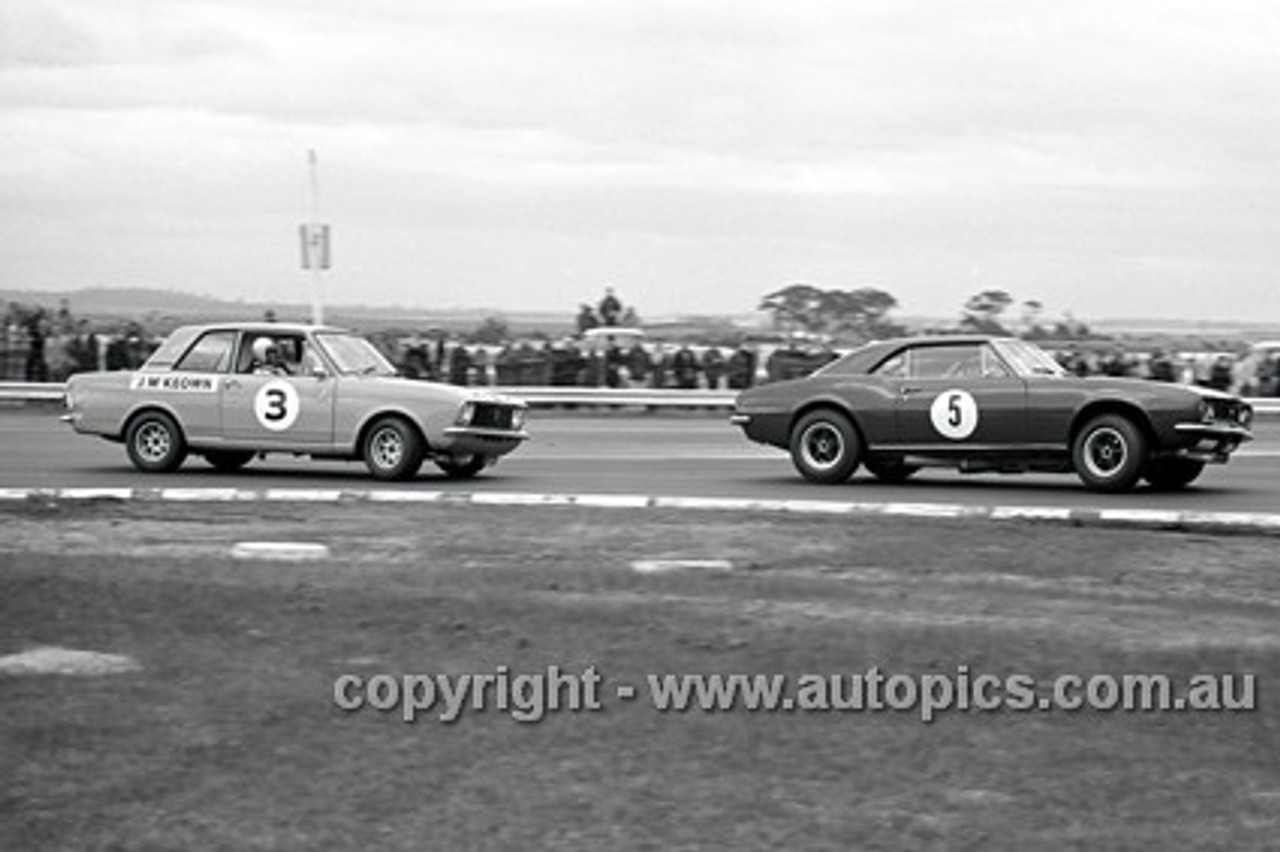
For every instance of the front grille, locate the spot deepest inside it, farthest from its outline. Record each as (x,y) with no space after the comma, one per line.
(490,416)
(1225,409)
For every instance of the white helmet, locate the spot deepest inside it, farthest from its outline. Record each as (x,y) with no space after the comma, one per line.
(261,347)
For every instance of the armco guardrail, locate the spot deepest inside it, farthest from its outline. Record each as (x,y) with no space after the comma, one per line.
(544,396)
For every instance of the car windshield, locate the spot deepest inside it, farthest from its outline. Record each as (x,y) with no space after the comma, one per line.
(1027,359)
(352,354)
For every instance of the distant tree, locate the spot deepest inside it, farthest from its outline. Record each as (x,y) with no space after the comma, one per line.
(861,312)
(981,312)
(492,331)
(796,305)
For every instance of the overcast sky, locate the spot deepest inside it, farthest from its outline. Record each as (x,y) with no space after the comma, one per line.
(1112,159)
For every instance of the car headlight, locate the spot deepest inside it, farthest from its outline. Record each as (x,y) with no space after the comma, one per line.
(517,419)
(1206,411)
(1245,415)
(465,413)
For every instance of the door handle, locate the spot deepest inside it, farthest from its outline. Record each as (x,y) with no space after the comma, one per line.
(910,391)
(232,384)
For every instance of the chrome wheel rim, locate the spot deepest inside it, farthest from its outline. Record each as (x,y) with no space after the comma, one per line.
(1105,452)
(153,442)
(386,449)
(821,446)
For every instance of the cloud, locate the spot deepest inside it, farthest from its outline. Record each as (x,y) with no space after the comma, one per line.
(1062,140)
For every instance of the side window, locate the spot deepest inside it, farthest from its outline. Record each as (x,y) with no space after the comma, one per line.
(210,354)
(962,361)
(894,367)
(992,366)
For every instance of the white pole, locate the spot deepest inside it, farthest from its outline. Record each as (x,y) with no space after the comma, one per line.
(317,300)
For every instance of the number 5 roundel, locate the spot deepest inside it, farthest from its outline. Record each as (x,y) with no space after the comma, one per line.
(954,414)
(276,405)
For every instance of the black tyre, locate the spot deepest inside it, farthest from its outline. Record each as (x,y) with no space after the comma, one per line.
(1172,473)
(1110,453)
(891,471)
(393,449)
(155,443)
(462,468)
(228,461)
(825,447)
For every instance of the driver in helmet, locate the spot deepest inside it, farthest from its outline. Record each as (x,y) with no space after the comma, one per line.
(267,360)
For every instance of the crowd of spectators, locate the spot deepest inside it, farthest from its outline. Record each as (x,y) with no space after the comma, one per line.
(42,345)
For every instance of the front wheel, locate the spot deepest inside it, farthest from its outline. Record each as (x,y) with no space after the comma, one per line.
(825,447)
(393,449)
(1110,453)
(463,467)
(155,443)
(1172,473)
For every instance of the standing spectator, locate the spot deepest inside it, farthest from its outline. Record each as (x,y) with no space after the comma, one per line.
(586,319)
(660,366)
(741,369)
(685,366)
(37,327)
(460,366)
(1161,367)
(713,366)
(1220,372)
(610,307)
(638,364)
(136,350)
(83,349)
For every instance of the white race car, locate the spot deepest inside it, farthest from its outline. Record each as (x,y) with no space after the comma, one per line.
(228,392)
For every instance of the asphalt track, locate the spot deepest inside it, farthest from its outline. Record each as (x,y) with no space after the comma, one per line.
(677,454)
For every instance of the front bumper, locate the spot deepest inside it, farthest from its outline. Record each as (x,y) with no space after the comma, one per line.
(1210,442)
(479,441)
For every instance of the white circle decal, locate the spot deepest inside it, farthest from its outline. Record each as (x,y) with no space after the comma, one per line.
(276,405)
(954,414)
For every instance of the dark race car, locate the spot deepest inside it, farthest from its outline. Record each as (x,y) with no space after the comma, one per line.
(990,404)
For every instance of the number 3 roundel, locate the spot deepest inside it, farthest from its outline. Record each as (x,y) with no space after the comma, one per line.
(276,405)
(954,414)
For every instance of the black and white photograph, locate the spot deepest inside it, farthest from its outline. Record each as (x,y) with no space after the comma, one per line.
(621,425)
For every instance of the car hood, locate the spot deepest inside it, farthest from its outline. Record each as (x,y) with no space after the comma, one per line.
(1126,385)
(402,388)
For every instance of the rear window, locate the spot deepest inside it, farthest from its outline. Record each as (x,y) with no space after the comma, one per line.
(210,354)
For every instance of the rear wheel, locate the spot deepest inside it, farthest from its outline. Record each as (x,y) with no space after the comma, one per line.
(1110,453)
(228,461)
(825,447)
(393,449)
(155,443)
(891,471)
(1172,473)
(463,467)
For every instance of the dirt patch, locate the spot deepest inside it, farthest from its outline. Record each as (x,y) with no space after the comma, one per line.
(65,661)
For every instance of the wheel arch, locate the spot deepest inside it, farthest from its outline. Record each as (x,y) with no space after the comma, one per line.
(830,403)
(150,407)
(362,432)
(1122,407)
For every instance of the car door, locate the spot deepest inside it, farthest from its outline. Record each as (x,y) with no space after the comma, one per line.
(288,410)
(959,395)
(192,387)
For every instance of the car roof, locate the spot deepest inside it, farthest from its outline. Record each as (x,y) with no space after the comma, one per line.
(258,327)
(867,357)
